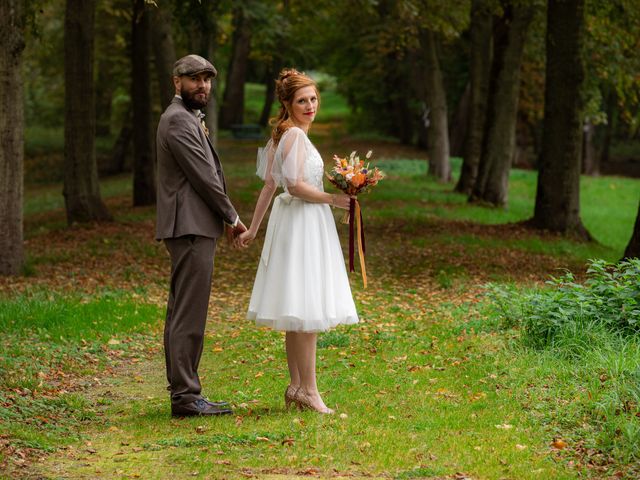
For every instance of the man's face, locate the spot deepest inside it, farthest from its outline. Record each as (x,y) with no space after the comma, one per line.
(194,89)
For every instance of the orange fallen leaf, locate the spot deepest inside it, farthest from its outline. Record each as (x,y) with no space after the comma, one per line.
(559,444)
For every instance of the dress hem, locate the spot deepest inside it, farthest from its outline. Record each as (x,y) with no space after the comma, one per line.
(295,324)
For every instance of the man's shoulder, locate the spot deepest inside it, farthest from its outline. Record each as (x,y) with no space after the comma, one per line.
(177,114)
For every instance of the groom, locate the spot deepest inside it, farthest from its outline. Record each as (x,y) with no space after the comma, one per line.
(193,211)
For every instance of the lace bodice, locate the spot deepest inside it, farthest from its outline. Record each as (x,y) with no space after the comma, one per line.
(313,167)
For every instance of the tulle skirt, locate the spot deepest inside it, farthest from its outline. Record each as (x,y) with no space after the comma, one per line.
(301,283)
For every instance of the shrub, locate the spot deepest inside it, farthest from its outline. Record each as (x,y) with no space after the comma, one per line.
(607,302)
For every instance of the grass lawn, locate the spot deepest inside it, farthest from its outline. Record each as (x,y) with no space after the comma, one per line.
(435,382)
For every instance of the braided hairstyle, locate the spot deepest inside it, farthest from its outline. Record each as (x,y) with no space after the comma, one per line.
(289,81)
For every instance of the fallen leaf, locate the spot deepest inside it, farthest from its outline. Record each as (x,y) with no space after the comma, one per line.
(559,444)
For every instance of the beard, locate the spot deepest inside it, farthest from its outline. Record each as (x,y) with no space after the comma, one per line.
(191,101)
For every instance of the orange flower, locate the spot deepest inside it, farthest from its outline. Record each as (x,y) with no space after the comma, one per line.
(358,179)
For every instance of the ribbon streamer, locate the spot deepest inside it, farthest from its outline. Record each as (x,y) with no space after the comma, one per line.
(355,215)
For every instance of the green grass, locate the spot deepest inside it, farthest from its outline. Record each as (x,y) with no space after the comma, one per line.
(415,399)
(49,339)
(608,206)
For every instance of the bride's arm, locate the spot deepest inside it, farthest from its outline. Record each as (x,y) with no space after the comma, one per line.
(311,194)
(266,194)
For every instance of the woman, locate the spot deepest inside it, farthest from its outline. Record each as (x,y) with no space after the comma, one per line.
(301,285)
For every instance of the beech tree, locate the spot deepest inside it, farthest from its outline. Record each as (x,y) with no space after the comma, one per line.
(438,131)
(510,32)
(479,70)
(164,52)
(557,206)
(12,30)
(633,247)
(232,109)
(144,189)
(81,188)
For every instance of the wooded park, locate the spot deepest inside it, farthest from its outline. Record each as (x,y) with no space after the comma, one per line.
(499,333)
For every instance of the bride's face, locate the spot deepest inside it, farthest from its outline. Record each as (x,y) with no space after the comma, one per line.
(304,106)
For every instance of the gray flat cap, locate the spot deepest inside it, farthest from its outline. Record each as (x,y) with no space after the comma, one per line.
(192,64)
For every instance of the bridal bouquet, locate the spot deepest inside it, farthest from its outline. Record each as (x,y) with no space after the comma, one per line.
(352,176)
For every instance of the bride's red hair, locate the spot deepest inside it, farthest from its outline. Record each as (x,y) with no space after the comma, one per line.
(289,81)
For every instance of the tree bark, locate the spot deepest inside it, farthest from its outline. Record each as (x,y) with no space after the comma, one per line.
(12,32)
(81,188)
(164,52)
(459,124)
(208,49)
(232,111)
(104,96)
(270,93)
(557,206)
(590,160)
(144,192)
(633,248)
(492,183)
(610,127)
(438,132)
(480,69)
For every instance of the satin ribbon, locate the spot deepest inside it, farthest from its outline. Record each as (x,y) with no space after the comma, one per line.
(355,217)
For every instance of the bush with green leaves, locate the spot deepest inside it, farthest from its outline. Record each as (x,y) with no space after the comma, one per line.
(608,302)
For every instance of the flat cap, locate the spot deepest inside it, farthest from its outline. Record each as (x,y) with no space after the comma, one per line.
(192,64)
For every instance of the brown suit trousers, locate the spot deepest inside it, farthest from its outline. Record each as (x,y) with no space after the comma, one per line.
(191,273)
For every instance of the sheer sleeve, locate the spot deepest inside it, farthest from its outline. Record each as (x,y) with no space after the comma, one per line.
(265,160)
(290,156)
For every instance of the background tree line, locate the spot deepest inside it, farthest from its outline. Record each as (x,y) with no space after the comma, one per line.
(549,84)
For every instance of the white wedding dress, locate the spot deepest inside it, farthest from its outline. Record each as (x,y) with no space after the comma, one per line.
(301,284)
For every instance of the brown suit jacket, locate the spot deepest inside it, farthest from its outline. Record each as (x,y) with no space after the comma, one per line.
(191,195)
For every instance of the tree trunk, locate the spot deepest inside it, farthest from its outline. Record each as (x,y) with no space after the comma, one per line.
(164,52)
(81,188)
(232,111)
(117,161)
(590,161)
(144,192)
(458,126)
(270,94)
(633,248)
(208,49)
(557,205)
(12,31)
(610,127)
(104,96)
(438,132)
(500,129)
(480,69)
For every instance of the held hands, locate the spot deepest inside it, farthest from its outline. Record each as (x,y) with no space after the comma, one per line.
(244,239)
(232,233)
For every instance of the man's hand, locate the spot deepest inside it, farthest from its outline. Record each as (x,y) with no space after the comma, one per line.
(233,232)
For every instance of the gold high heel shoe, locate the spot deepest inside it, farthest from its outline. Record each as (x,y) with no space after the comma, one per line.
(303,401)
(290,397)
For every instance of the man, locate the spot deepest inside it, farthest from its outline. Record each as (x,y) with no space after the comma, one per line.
(192,210)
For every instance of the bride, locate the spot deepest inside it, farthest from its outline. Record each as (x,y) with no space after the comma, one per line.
(301,285)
